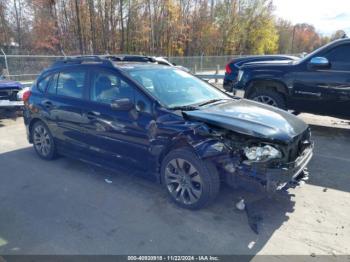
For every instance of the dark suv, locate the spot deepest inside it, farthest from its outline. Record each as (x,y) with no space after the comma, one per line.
(318,83)
(166,123)
(232,68)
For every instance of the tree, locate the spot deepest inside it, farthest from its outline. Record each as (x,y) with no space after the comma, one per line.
(338,34)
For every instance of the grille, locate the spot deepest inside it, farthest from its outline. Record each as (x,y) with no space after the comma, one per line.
(8,95)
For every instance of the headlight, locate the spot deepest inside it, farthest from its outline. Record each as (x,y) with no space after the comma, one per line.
(240,75)
(258,153)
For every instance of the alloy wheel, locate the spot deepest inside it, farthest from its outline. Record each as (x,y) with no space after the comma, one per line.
(183,181)
(42,140)
(266,100)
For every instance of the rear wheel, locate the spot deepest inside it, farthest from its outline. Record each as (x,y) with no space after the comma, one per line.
(269,97)
(190,182)
(43,141)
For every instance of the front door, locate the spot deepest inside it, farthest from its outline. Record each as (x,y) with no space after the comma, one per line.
(325,90)
(118,135)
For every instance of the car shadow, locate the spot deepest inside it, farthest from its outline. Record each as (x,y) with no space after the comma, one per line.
(220,228)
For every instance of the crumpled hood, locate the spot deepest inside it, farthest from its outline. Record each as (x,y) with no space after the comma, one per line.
(5,84)
(250,118)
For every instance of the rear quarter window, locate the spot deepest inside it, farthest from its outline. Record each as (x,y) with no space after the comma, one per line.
(42,83)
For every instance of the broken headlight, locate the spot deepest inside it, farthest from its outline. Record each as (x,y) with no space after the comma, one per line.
(259,153)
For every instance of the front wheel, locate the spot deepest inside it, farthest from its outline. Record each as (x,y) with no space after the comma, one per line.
(190,182)
(269,97)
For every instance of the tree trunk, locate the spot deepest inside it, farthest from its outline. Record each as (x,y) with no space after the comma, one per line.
(92,25)
(121,25)
(79,27)
(18,22)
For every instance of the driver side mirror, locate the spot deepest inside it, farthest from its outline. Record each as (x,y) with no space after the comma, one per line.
(123,104)
(319,62)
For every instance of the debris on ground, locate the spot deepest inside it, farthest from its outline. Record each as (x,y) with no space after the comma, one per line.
(313,255)
(108,181)
(325,189)
(251,244)
(240,205)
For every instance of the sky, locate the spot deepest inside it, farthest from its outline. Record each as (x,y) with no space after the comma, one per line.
(326,15)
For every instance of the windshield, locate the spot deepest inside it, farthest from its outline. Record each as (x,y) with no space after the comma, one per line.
(174,87)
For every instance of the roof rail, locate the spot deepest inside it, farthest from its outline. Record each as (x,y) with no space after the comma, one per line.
(130,58)
(82,60)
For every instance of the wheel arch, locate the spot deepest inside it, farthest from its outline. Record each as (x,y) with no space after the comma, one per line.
(174,144)
(30,127)
(266,84)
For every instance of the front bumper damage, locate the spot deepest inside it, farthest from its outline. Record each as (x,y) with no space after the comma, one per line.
(10,104)
(271,179)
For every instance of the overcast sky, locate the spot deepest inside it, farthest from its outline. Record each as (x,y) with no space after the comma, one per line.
(326,15)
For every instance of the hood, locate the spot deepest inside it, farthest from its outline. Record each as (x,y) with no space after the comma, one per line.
(269,65)
(5,84)
(251,118)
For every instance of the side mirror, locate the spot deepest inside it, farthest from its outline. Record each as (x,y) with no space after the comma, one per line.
(319,62)
(123,104)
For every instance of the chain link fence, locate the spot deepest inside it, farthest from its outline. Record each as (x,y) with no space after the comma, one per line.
(24,68)
(27,67)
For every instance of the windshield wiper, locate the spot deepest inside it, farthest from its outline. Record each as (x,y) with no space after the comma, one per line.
(185,108)
(210,102)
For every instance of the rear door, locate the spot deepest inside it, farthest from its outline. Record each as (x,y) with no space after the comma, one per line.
(64,102)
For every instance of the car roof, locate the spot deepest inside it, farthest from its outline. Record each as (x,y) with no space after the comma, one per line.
(101,62)
(128,66)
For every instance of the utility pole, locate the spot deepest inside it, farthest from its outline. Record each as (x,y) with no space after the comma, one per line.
(292,51)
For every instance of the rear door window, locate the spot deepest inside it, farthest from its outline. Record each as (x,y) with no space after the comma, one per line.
(71,84)
(51,88)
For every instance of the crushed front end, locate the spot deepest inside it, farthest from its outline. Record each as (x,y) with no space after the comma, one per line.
(245,160)
(8,94)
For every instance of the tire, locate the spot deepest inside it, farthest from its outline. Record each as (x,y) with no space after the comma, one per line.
(43,141)
(190,182)
(269,97)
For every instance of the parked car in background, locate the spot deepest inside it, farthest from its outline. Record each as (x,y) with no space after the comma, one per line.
(8,93)
(318,83)
(232,68)
(166,123)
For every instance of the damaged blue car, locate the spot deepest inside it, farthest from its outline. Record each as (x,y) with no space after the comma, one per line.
(165,123)
(9,93)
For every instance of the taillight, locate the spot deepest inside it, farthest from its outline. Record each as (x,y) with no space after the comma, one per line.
(26,96)
(228,69)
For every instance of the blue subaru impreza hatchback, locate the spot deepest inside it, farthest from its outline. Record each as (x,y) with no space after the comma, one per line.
(165,123)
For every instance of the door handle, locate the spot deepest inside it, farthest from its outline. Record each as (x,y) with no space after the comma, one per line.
(92,115)
(48,104)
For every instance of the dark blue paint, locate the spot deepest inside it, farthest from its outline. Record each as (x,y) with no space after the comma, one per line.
(138,140)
